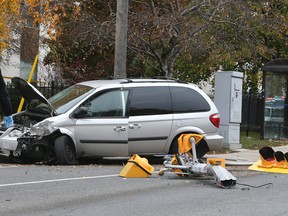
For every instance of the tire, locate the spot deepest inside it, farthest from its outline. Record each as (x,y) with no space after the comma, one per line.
(174,146)
(174,150)
(201,148)
(65,151)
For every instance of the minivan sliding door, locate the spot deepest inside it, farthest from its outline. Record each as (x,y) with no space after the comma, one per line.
(150,119)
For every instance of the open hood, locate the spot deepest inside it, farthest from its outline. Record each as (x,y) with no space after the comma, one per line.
(36,101)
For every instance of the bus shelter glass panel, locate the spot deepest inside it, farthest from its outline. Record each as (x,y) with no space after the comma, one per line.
(275,115)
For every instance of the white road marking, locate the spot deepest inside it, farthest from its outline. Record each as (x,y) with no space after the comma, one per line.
(57,180)
(7,166)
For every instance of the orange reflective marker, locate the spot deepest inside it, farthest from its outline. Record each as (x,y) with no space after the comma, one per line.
(266,157)
(279,159)
(286,160)
(271,161)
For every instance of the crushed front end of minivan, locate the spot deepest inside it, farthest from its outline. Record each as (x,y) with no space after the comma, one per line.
(26,140)
(28,144)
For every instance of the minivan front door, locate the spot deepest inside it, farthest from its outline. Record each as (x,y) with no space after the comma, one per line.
(103,129)
(150,119)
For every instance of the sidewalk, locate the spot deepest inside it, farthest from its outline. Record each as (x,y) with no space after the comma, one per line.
(244,157)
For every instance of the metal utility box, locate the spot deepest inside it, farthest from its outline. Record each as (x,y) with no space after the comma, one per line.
(228,100)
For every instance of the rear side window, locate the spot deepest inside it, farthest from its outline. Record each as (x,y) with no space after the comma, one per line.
(188,100)
(150,101)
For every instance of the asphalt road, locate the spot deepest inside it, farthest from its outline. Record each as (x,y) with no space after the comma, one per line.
(98,190)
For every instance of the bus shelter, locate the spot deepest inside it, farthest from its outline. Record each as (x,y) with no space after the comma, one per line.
(274,124)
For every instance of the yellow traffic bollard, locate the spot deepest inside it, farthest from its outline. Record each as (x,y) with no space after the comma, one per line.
(137,167)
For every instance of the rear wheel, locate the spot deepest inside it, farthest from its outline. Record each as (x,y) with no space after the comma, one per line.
(174,146)
(174,150)
(201,147)
(65,151)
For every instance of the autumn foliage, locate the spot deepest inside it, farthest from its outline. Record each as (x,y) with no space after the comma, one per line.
(9,13)
(16,14)
(185,39)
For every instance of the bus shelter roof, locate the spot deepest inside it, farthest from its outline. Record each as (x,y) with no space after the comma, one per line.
(279,65)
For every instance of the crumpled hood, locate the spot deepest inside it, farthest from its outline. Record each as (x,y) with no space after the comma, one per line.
(31,95)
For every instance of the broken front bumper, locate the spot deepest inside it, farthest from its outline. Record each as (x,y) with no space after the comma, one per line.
(8,142)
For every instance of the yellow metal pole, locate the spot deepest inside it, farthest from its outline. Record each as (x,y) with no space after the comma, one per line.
(29,80)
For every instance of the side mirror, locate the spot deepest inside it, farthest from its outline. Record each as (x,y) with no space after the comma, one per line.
(80,112)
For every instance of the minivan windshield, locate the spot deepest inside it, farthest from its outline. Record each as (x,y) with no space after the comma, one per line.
(66,99)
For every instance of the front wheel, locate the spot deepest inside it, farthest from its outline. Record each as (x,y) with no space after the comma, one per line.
(65,151)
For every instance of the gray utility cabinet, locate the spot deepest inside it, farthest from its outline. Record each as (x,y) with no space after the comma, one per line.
(228,100)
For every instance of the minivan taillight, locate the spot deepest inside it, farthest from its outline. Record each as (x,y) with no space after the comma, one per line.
(215,119)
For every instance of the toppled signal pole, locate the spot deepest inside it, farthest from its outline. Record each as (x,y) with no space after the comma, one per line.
(185,163)
(121,39)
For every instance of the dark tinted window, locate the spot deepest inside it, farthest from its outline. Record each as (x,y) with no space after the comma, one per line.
(188,100)
(150,101)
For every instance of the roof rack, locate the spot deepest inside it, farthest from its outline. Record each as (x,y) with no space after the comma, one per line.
(168,78)
(153,79)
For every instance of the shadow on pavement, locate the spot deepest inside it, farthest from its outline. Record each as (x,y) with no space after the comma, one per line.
(117,160)
(88,161)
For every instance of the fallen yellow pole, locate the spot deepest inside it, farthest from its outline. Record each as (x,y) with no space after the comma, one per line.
(29,80)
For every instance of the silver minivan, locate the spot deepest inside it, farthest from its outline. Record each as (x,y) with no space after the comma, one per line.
(103,118)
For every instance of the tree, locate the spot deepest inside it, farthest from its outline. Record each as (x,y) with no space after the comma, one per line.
(47,13)
(9,12)
(167,34)
(265,39)
(178,39)
(85,49)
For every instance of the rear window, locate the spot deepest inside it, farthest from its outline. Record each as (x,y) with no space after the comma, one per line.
(186,100)
(150,101)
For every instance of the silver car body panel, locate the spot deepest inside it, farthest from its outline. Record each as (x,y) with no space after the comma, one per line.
(102,137)
(149,134)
